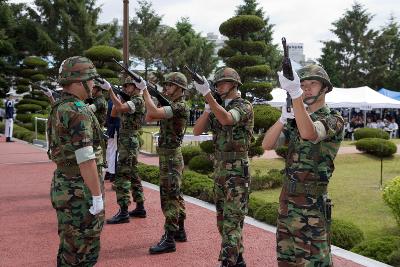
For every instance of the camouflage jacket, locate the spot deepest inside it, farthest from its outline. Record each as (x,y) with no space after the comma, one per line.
(309,161)
(236,137)
(172,130)
(72,125)
(131,123)
(101,109)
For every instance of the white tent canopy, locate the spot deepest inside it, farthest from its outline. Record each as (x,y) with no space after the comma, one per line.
(363,98)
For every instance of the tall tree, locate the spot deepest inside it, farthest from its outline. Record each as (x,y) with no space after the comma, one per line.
(351,51)
(272,55)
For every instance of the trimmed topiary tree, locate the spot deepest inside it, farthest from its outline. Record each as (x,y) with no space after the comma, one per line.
(264,117)
(362,133)
(377,147)
(245,54)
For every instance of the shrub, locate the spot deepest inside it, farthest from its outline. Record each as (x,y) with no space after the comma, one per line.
(198,185)
(149,173)
(41,125)
(240,61)
(22,89)
(103,53)
(207,147)
(225,52)
(362,133)
(263,211)
(33,62)
(201,163)
(380,248)
(189,151)
(377,147)
(282,151)
(38,77)
(249,47)
(255,150)
(27,73)
(394,258)
(25,108)
(391,196)
(264,117)
(23,81)
(345,234)
(272,179)
(257,71)
(43,104)
(238,25)
(25,118)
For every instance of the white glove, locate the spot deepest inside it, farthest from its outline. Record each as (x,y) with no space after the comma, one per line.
(48,92)
(207,108)
(292,87)
(97,206)
(286,115)
(202,88)
(140,85)
(105,85)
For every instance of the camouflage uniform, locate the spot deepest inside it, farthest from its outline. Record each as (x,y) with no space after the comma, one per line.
(231,171)
(101,109)
(303,234)
(72,126)
(127,178)
(171,164)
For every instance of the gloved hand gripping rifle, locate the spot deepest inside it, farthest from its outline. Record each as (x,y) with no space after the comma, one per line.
(287,71)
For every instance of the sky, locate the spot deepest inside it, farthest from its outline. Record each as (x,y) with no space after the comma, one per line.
(307,21)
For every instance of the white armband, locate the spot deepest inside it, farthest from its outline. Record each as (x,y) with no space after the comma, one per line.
(235,115)
(168,112)
(321,132)
(84,154)
(131,105)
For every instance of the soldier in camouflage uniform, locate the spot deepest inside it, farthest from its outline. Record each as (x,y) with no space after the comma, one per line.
(173,120)
(127,180)
(232,125)
(99,106)
(77,148)
(314,136)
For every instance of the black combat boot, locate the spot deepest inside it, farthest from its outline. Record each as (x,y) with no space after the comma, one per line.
(240,261)
(180,235)
(166,244)
(8,139)
(107,176)
(121,217)
(139,212)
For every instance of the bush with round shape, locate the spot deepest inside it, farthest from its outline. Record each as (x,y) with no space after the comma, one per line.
(189,151)
(198,185)
(345,234)
(257,71)
(207,146)
(226,51)
(263,211)
(43,104)
(247,47)
(282,151)
(38,77)
(27,73)
(201,163)
(240,61)
(241,25)
(34,62)
(391,196)
(379,249)
(106,73)
(262,181)
(103,53)
(22,89)
(25,108)
(25,118)
(362,133)
(23,81)
(377,147)
(255,150)
(264,117)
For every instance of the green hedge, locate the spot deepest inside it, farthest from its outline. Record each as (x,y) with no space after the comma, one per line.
(264,117)
(263,211)
(41,125)
(282,151)
(362,133)
(198,185)
(28,108)
(43,104)
(201,163)
(23,133)
(261,181)
(380,249)
(207,146)
(391,196)
(25,118)
(377,147)
(240,25)
(189,151)
(346,234)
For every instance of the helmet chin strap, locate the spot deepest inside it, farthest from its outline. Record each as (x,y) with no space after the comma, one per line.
(87,89)
(312,99)
(174,95)
(227,92)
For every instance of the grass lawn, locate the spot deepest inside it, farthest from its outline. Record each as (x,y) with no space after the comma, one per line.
(354,189)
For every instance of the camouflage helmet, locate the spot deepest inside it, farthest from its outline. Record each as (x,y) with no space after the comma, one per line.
(226,75)
(315,72)
(76,69)
(128,80)
(176,78)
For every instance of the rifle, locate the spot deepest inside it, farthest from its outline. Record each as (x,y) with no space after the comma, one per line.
(199,80)
(123,95)
(44,89)
(150,87)
(287,72)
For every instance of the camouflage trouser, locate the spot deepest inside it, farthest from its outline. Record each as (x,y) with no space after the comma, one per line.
(78,229)
(231,192)
(172,202)
(303,232)
(127,179)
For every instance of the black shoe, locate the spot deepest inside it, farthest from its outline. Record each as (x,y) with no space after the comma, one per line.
(240,261)
(166,244)
(121,217)
(107,176)
(112,177)
(180,235)
(139,212)
(8,139)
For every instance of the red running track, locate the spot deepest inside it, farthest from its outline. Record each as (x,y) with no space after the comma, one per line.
(29,231)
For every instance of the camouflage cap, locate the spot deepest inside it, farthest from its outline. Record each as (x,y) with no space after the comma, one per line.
(315,72)
(227,75)
(76,69)
(176,78)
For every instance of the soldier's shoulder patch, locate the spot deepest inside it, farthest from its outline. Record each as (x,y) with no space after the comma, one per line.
(79,104)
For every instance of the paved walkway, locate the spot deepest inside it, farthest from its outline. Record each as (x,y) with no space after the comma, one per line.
(29,231)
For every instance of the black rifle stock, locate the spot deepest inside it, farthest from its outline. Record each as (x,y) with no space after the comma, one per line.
(150,87)
(199,80)
(287,72)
